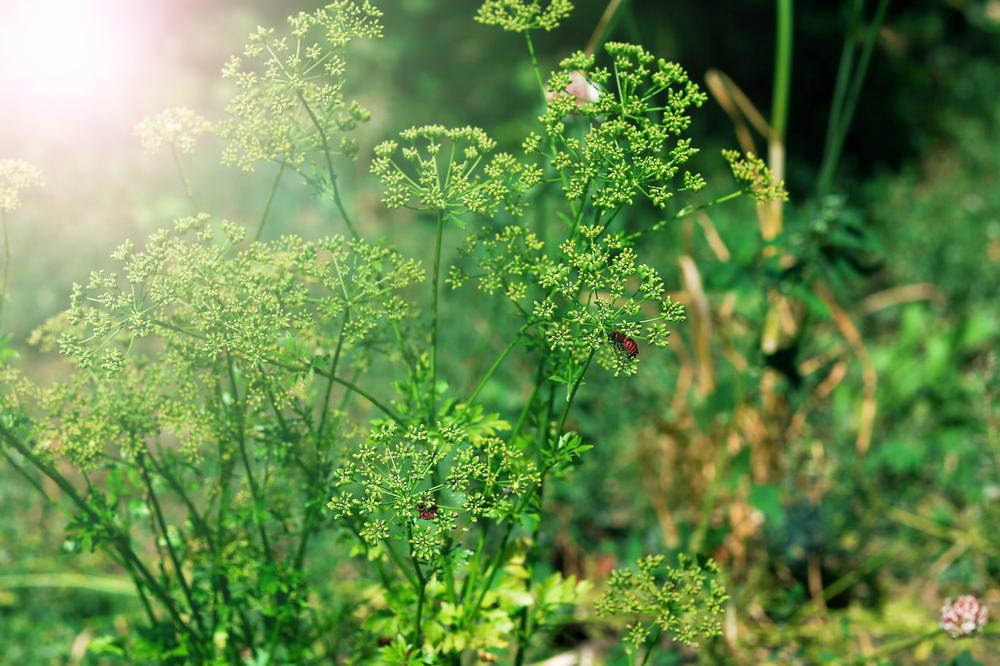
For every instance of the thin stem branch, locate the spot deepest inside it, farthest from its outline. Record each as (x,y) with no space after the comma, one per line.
(241,442)
(335,189)
(534,63)
(184,181)
(161,521)
(842,115)
(6,261)
(496,364)
(270,199)
(435,287)
(782,70)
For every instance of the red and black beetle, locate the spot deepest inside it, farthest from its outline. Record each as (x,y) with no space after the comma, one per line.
(624,344)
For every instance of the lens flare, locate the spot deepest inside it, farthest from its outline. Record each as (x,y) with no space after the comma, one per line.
(68,61)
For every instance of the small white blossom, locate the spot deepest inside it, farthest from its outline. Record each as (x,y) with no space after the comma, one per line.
(963,616)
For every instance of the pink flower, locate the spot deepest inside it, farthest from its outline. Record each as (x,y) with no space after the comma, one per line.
(964,616)
(579,87)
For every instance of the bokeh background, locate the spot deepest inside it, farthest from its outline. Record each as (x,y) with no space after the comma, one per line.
(847,480)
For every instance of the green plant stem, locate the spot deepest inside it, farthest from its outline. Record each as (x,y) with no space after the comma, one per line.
(652,646)
(420,604)
(844,69)
(69,580)
(523,635)
(30,479)
(333,373)
(116,538)
(364,394)
(684,212)
(219,582)
(846,95)
(571,395)
(534,63)
(161,521)
(270,199)
(184,181)
(376,562)
(523,416)
(319,465)
(436,288)
(494,565)
(496,364)
(334,188)
(895,647)
(241,442)
(6,261)
(708,502)
(782,70)
(473,569)
(197,520)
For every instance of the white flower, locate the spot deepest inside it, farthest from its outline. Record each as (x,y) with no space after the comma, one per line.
(964,616)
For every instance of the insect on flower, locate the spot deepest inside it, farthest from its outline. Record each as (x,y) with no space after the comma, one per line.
(428,510)
(623,344)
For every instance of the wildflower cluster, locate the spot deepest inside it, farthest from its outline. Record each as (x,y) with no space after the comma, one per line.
(524,15)
(389,485)
(290,300)
(635,114)
(754,177)
(15,176)
(178,128)
(595,289)
(963,616)
(291,101)
(451,170)
(686,602)
(492,476)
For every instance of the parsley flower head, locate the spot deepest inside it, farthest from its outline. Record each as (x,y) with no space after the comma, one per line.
(15,176)
(176,127)
(524,15)
(291,102)
(754,177)
(451,170)
(635,114)
(685,601)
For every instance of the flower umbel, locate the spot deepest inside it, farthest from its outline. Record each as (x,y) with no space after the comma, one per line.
(176,127)
(589,299)
(687,604)
(451,170)
(754,177)
(524,15)
(291,101)
(15,176)
(633,146)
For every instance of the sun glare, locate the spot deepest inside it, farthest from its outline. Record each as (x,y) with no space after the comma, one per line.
(67,59)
